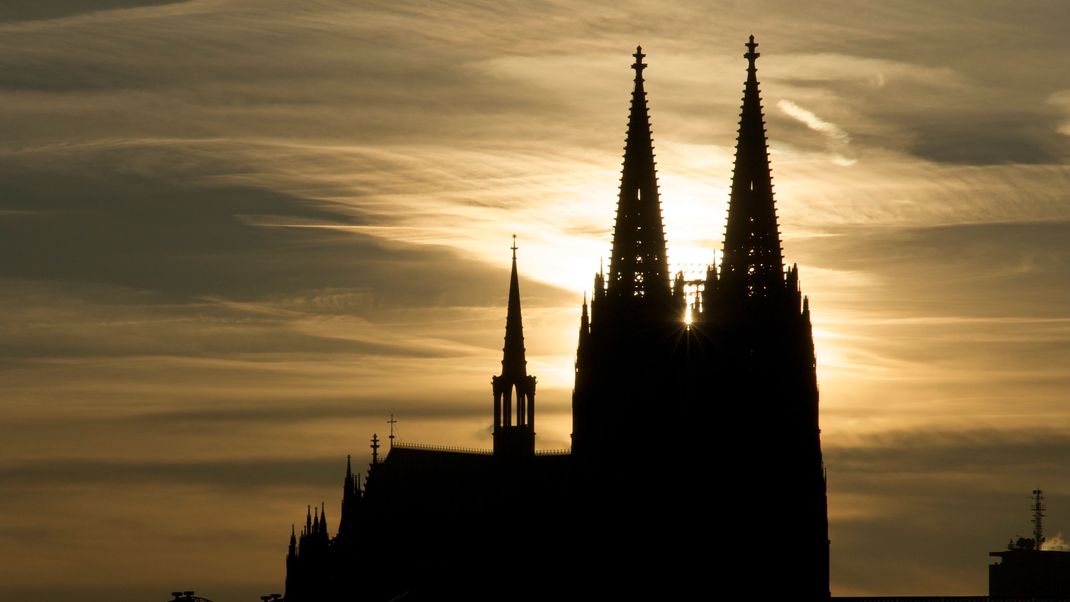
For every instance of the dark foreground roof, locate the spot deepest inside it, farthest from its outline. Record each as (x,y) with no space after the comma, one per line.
(435,479)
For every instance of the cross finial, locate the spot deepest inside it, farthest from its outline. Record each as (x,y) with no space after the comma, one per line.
(392,422)
(514,247)
(751,55)
(639,65)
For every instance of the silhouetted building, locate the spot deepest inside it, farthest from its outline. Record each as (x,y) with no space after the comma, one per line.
(1026,570)
(728,358)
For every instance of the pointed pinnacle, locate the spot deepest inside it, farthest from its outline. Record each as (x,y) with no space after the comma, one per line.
(751,57)
(513,359)
(638,65)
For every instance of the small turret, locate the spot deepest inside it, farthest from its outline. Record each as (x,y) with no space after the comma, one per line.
(585,323)
(598,295)
(292,565)
(514,436)
(680,297)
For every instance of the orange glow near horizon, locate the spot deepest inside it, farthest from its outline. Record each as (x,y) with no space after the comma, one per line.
(240,235)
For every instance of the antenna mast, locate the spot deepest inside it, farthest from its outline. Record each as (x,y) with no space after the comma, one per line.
(1038,518)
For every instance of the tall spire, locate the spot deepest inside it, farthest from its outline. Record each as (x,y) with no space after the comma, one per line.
(752,261)
(514,390)
(639,267)
(514,364)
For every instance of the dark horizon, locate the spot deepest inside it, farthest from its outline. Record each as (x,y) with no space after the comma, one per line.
(241,235)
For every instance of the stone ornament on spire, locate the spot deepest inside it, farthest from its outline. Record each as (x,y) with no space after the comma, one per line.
(639,65)
(751,57)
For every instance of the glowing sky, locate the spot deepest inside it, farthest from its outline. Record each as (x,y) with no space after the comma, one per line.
(238,234)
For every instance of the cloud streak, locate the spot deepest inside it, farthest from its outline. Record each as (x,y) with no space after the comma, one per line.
(237,231)
(837,139)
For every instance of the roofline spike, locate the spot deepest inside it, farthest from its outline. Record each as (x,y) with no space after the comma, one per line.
(639,65)
(514,360)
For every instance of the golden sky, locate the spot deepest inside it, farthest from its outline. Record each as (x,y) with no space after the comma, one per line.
(240,233)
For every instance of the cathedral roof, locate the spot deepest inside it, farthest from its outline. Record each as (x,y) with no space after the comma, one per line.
(429,477)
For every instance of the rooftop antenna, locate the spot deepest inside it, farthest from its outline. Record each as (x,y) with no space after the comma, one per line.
(392,422)
(1038,518)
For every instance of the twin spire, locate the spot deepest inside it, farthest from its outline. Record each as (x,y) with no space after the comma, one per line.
(752,262)
(639,267)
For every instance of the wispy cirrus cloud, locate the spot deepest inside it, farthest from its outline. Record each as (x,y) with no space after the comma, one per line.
(836,139)
(243,229)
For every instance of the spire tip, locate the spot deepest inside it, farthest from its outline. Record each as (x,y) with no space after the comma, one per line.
(639,65)
(513,360)
(751,55)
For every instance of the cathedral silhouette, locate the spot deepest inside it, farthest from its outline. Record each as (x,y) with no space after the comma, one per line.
(735,504)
